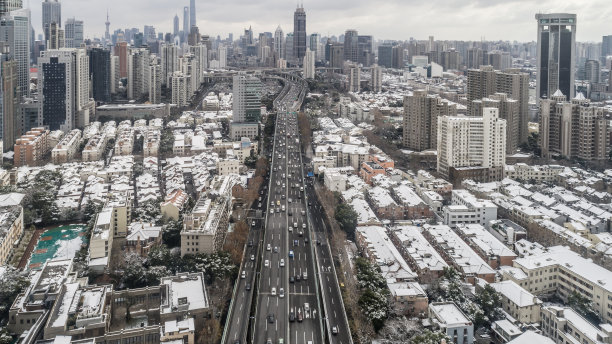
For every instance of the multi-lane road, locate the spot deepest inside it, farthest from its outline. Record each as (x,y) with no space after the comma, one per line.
(287,291)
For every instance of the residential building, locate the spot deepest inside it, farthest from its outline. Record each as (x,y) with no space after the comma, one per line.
(180,94)
(66,149)
(246,107)
(565,325)
(472,147)
(421,113)
(173,204)
(31,147)
(376,78)
(493,251)
(354,78)
(518,302)
(138,62)
(466,208)
(420,254)
(141,237)
(11,225)
(452,321)
(508,111)
(309,64)
(9,123)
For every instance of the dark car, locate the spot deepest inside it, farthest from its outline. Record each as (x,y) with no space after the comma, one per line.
(306,240)
(318,242)
(291,279)
(250,243)
(271,318)
(248,286)
(291,317)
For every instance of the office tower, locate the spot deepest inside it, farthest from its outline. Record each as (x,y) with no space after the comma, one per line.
(573,129)
(385,55)
(485,82)
(431,44)
(289,47)
(15,31)
(314,43)
(179,82)
(421,113)
(508,110)
(247,39)
(73,31)
(8,83)
(138,73)
(246,106)
(63,89)
(28,113)
(192,14)
(185,24)
(472,147)
(121,51)
(100,74)
(592,71)
(299,34)
(606,47)
(7,6)
(376,84)
(169,61)
(261,44)
(279,43)
(398,57)
(222,56)
(500,60)
(149,34)
(175,26)
(351,46)
(556,54)
(155,80)
(51,13)
(365,55)
(56,35)
(309,64)
(336,56)
(194,36)
(354,78)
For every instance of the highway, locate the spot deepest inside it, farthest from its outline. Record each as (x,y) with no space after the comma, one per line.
(286,266)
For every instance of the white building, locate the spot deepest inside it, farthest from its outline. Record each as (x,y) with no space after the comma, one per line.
(567,326)
(309,64)
(472,147)
(451,320)
(65,150)
(354,80)
(376,83)
(180,95)
(169,61)
(466,208)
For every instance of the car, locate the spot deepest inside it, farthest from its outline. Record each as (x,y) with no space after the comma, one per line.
(289,200)
(295,225)
(275,249)
(334,330)
(271,210)
(304,275)
(259,205)
(267,263)
(271,318)
(272,203)
(301,233)
(318,242)
(303,225)
(252,257)
(253,223)
(269,341)
(300,316)
(298,278)
(291,279)
(291,316)
(248,286)
(296,243)
(306,308)
(268,247)
(291,254)
(282,263)
(243,275)
(277,202)
(309,204)
(289,212)
(283,208)
(306,240)
(250,243)
(273,291)
(283,185)
(281,341)
(281,293)
(303,212)
(278,210)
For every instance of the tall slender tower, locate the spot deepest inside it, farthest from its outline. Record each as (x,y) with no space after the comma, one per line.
(192,14)
(107,36)
(175,26)
(299,34)
(185,23)
(556,54)
(51,13)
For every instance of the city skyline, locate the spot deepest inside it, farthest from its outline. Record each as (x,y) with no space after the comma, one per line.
(513,20)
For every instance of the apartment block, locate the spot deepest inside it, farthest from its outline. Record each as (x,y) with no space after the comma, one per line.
(31,148)
(523,306)
(66,149)
(451,320)
(421,113)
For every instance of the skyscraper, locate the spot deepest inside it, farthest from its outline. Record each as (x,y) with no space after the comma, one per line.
(421,113)
(100,74)
(279,42)
(121,51)
(51,13)
(73,33)
(309,64)
(176,26)
(169,61)
(107,37)
(15,30)
(606,47)
(385,55)
(246,107)
(365,54)
(8,83)
(376,77)
(7,6)
(185,24)
(556,55)
(56,36)
(351,46)
(592,71)
(299,34)
(192,14)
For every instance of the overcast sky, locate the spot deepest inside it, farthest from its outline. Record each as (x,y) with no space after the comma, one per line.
(384,19)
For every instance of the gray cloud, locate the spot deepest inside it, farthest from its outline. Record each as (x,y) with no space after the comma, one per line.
(389,19)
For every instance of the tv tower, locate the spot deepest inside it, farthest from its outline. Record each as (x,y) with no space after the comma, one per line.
(107,36)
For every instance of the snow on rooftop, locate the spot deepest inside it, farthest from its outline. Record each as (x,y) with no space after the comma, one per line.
(515,293)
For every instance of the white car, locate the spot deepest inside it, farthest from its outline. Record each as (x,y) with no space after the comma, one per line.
(271,210)
(281,293)
(268,247)
(282,263)
(267,263)
(273,291)
(252,257)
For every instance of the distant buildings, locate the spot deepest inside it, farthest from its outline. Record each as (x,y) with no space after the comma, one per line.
(421,113)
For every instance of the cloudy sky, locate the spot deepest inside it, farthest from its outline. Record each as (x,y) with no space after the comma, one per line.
(384,19)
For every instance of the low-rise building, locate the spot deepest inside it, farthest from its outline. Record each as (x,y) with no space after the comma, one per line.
(518,302)
(65,150)
(451,320)
(31,148)
(228,166)
(173,204)
(11,224)
(419,253)
(466,208)
(414,207)
(408,298)
(383,204)
(567,326)
(486,245)
(142,237)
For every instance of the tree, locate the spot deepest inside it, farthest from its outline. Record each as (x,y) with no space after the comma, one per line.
(148,211)
(583,306)
(12,282)
(429,337)
(171,233)
(5,336)
(159,256)
(375,307)
(490,303)
(347,219)
(235,241)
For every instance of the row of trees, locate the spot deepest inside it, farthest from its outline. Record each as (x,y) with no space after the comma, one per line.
(373,300)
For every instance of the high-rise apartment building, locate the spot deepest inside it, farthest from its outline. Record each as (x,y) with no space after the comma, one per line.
(309,64)
(138,73)
(354,78)
(385,55)
(246,106)
(573,129)
(63,89)
(279,43)
(155,82)
(100,74)
(289,47)
(169,61)
(185,24)
(556,56)
(179,83)
(73,31)
(484,82)
(7,6)
(51,13)
(606,47)
(57,37)
(299,34)
(222,56)
(472,147)
(421,113)
(315,46)
(500,60)
(8,119)
(476,57)
(15,30)
(508,110)
(336,56)
(200,53)
(121,51)
(376,77)
(398,57)
(592,71)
